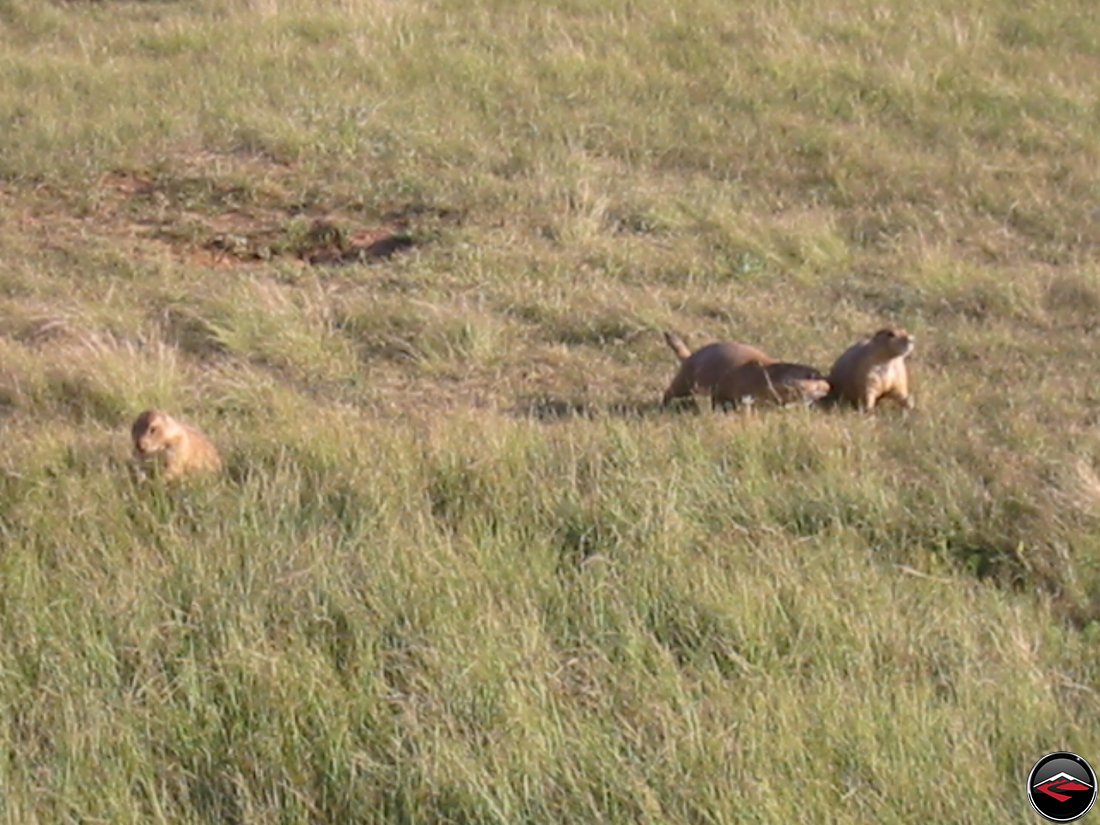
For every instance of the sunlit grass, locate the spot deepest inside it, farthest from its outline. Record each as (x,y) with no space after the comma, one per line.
(460,568)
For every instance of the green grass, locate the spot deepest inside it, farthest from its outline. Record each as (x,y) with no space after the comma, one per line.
(460,568)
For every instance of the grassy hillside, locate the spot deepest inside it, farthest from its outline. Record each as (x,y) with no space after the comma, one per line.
(408,264)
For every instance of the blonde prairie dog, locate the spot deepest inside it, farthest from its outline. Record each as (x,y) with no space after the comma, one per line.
(775,384)
(182,448)
(872,369)
(701,370)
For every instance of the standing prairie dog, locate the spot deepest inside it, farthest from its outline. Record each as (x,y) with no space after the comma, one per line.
(873,368)
(701,370)
(779,383)
(183,448)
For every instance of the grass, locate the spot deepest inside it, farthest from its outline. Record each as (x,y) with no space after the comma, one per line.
(460,568)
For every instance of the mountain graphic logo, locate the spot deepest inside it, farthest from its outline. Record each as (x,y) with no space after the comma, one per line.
(1062,787)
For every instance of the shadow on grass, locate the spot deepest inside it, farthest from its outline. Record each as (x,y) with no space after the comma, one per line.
(550,409)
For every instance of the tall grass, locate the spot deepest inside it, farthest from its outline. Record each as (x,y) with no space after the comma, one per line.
(460,568)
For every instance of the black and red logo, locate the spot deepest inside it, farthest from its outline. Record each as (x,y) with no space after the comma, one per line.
(1062,786)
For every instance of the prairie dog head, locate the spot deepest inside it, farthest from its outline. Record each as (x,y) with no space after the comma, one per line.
(154,431)
(797,382)
(893,342)
(812,389)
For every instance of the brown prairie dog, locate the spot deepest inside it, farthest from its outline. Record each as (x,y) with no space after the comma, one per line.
(701,370)
(182,448)
(872,369)
(776,384)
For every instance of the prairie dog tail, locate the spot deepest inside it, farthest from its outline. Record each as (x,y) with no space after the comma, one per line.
(678,346)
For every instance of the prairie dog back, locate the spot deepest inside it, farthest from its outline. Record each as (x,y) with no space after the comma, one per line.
(701,370)
(776,384)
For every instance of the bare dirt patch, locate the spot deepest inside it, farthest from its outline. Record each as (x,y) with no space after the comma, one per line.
(217,212)
(324,241)
(223,224)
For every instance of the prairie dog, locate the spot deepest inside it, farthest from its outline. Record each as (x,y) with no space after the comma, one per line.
(182,448)
(779,383)
(873,368)
(701,370)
